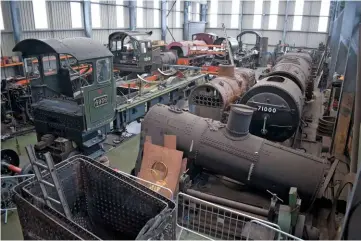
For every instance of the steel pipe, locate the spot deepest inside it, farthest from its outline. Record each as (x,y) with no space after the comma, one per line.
(228,203)
(15,21)
(87,18)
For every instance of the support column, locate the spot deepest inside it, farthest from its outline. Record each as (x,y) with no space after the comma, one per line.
(186,22)
(132,15)
(87,18)
(203,13)
(241,18)
(15,21)
(163,13)
(285,22)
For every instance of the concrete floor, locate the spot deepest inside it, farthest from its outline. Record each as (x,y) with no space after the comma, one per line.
(122,157)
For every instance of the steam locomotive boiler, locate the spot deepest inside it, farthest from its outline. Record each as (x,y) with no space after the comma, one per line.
(229,150)
(279,97)
(213,99)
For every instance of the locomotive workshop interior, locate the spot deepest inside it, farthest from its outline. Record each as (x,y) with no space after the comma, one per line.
(180,120)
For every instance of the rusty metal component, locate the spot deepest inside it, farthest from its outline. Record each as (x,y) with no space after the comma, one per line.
(248,74)
(305,56)
(209,38)
(226,71)
(294,67)
(326,125)
(249,159)
(212,99)
(183,48)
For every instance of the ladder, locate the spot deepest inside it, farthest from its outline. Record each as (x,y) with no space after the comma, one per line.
(227,44)
(38,168)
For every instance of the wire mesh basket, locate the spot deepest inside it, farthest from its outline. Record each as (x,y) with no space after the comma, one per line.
(104,204)
(7,185)
(199,219)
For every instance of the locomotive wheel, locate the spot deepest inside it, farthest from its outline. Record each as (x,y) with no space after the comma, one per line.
(10,157)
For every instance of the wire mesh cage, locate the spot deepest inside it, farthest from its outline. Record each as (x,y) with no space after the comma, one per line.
(7,185)
(199,219)
(104,204)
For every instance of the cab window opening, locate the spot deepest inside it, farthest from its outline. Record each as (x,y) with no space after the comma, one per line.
(103,70)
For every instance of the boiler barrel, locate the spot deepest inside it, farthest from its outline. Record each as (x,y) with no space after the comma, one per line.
(210,100)
(247,158)
(168,57)
(295,68)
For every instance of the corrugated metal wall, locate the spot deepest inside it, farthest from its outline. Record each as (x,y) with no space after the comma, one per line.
(60,26)
(7,38)
(307,37)
(108,20)
(59,21)
(174,32)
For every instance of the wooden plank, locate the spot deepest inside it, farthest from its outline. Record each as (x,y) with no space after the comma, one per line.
(162,166)
(170,141)
(343,125)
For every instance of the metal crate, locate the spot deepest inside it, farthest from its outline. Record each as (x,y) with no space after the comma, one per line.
(104,204)
(7,185)
(199,219)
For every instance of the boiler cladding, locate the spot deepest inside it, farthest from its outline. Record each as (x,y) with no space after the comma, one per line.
(229,150)
(212,99)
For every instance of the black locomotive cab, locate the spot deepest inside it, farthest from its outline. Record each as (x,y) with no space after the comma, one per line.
(132,51)
(73,93)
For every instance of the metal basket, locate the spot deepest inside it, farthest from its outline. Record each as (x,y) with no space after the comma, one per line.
(104,204)
(7,185)
(199,219)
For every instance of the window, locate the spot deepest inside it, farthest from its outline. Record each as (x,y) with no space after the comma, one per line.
(49,65)
(198,12)
(40,16)
(156,13)
(31,67)
(103,70)
(324,12)
(297,19)
(75,9)
(1,19)
(272,24)
(95,11)
(213,14)
(258,10)
(120,14)
(140,21)
(143,48)
(190,11)
(235,14)
(177,14)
